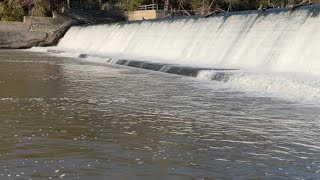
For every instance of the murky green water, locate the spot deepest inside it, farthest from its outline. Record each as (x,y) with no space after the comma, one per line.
(66,118)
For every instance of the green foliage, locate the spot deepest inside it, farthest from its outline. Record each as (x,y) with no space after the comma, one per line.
(207,5)
(264,2)
(195,4)
(12,11)
(41,8)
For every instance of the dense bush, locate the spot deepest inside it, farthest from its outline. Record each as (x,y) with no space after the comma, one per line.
(132,5)
(226,5)
(40,8)
(13,11)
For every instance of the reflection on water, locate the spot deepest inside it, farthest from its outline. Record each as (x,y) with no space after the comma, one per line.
(64,118)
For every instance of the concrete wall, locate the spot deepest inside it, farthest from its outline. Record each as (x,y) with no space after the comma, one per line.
(12,26)
(47,31)
(43,24)
(146,14)
(32,31)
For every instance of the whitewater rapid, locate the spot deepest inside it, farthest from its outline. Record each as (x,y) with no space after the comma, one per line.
(274,51)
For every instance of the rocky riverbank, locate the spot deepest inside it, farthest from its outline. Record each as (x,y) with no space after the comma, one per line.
(46,31)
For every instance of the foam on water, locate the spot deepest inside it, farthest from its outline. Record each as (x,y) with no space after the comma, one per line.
(288,85)
(277,50)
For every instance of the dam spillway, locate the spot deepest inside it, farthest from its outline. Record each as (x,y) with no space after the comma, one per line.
(82,110)
(275,50)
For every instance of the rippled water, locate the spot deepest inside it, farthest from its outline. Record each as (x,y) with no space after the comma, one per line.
(67,118)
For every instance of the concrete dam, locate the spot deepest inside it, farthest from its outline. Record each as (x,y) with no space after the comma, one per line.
(275,51)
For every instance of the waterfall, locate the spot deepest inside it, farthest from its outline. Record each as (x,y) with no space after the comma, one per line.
(275,50)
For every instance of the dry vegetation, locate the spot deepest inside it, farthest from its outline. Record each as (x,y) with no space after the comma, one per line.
(14,10)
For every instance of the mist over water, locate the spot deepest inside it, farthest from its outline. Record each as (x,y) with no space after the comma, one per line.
(276,51)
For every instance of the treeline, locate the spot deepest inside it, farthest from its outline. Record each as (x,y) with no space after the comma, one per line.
(194,5)
(14,10)
(208,5)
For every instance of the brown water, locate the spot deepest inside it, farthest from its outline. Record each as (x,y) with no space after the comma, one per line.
(68,118)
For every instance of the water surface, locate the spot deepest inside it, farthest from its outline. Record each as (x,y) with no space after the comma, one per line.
(68,118)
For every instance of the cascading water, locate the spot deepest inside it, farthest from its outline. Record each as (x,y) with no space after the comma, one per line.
(275,50)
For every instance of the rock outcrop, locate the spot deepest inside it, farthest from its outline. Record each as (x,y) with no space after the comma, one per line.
(47,31)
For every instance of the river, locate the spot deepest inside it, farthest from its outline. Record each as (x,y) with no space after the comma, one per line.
(73,119)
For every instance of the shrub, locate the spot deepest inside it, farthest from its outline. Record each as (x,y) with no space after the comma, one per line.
(12,11)
(41,8)
(132,5)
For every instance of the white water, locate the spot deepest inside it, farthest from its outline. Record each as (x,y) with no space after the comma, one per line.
(277,51)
